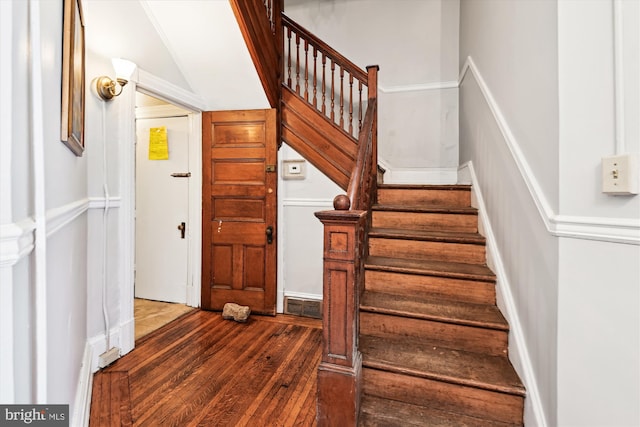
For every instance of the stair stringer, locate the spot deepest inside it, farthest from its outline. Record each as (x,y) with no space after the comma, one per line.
(322,143)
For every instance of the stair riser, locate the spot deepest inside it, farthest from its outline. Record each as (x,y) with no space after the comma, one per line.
(435,251)
(457,398)
(426,221)
(408,197)
(453,336)
(473,291)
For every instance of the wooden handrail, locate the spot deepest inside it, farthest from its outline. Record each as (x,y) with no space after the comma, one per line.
(357,72)
(259,23)
(363,176)
(346,231)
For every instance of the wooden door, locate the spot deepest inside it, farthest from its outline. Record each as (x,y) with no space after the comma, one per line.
(239,209)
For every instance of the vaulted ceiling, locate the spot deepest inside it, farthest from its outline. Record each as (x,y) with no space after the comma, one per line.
(194,44)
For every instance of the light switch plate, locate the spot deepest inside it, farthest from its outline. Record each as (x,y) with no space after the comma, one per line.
(620,175)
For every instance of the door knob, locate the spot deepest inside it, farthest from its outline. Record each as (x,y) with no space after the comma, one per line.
(269,233)
(182,227)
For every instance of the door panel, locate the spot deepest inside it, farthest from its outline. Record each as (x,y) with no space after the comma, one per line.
(239,203)
(162,204)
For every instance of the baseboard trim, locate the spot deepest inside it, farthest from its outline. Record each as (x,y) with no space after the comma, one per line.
(82,403)
(420,175)
(518,351)
(302,295)
(98,345)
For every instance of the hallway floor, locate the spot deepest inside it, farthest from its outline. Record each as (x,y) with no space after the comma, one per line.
(203,370)
(151,315)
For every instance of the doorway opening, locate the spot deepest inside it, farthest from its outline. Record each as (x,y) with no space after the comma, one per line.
(163,274)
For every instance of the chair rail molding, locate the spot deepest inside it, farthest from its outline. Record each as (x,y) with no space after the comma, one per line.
(453,84)
(615,230)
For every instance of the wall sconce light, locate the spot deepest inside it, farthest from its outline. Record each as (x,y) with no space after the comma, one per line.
(108,88)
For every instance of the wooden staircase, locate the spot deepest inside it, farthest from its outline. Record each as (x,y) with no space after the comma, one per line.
(411,331)
(433,342)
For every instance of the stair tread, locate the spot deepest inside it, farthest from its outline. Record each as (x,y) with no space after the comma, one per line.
(379,412)
(435,235)
(423,208)
(429,308)
(420,358)
(429,267)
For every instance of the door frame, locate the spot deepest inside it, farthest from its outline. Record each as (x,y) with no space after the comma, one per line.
(174,111)
(149,84)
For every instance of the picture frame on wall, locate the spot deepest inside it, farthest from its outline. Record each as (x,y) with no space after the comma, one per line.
(73,78)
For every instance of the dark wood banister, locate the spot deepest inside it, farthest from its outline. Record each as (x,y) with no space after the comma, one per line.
(345,249)
(346,227)
(364,175)
(323,47)
(260,26)
(324,78)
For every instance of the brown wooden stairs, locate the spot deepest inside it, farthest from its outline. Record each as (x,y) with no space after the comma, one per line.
(433,342)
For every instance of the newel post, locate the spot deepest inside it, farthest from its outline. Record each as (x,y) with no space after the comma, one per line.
(340,371)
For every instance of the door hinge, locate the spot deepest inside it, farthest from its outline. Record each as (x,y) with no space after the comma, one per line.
(270,168)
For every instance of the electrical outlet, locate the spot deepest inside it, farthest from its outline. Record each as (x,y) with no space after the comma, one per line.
(293,169)
(620,175)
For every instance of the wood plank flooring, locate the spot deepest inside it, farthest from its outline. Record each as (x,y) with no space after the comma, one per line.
(202,370)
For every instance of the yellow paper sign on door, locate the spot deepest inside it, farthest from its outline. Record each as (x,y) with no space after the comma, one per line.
(158,144)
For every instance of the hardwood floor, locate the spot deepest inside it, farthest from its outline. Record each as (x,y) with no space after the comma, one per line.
(201,370)
(151,315)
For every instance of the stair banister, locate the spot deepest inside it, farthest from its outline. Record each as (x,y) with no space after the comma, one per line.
(345,249)
(260,25)
(324,78)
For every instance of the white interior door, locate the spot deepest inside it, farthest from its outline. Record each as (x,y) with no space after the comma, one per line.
(162,206)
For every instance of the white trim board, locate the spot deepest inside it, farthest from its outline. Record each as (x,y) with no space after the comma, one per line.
(517,346)
(82,402)
(149,84)
(311,203)
(303,295)
(418,87)
(17,239)
(419,175)
(615,230)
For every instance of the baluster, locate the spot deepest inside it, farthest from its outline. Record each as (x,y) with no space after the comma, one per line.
(324,85)
(315,77)
(298,64)
(359,105)
(306,71)
(269,13)
(350,104)
(333,91)
(289,56)
(341,97)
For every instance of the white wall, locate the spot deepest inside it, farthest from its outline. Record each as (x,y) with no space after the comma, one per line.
(514,45)
(300,250)
(122,29)
(527,253)
(415,43)
(599,291)
(45,200)
(537,114)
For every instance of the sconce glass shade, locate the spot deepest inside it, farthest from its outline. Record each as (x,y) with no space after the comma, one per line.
(106,87)
(124,69)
